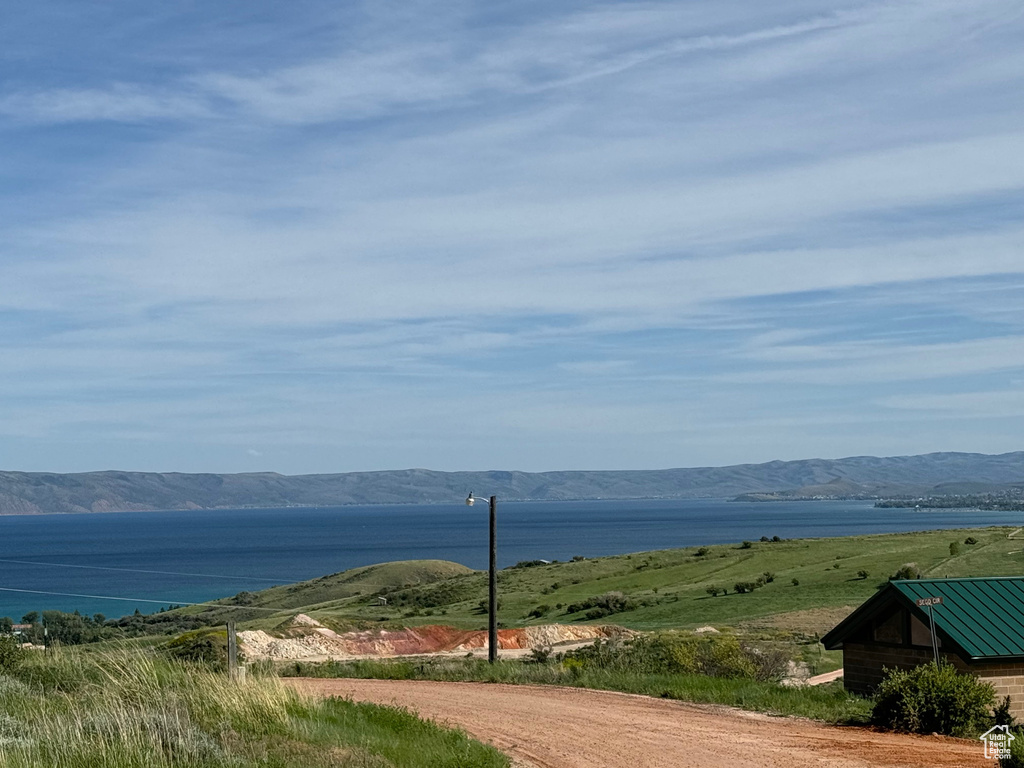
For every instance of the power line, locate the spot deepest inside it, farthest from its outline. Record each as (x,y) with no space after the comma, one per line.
(94,597)
(143,600)
(138,570)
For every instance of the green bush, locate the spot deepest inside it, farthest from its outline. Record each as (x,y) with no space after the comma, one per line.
(746,545)
(204,645)
(954,548)
(1016,758)
(745,586)
(605,605)
(970,540)
(931,699)
(11,653)
(906,571)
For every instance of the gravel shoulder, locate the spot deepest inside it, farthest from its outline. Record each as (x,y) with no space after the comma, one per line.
(549,727)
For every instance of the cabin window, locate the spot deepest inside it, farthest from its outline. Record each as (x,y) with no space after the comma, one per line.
(920,633)
(890,629)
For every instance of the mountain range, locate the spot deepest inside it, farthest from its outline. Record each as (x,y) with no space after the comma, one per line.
(860,476)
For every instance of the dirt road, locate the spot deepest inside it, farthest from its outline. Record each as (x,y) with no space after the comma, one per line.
(545,727)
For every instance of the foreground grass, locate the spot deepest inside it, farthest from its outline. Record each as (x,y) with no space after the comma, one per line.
(828,703)
(132,709)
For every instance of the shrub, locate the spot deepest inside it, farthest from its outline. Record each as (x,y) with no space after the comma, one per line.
(954,548)
(796,582)
(204,645)
(11,653)
(578,558)
(768,577)
(746,545)
(1001,714)
(701,551)
(539,611)
(484,606)
(740,587)
(713,591)
(776,539)
(541,654)
(862,574)
(765,538)
(970,540)
(1016,758)
(604,605)
(906,571)
(931,699)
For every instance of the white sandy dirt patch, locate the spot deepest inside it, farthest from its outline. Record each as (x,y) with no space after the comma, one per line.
(308,639)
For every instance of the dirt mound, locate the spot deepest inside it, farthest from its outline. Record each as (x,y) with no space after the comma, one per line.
(307,638)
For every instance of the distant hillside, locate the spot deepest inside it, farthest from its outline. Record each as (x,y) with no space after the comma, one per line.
(40,493)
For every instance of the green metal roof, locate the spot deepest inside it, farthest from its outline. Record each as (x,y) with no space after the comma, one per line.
(984,616)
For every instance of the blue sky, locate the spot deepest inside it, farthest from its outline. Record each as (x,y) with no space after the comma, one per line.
(319,236)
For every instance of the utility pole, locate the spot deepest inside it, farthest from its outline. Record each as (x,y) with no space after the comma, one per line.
(492,581)
(492,594)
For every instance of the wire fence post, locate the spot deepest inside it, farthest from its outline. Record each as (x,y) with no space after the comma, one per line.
(232,651)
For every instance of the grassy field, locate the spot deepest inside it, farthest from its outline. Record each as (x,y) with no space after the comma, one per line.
(815,582)
(132,709)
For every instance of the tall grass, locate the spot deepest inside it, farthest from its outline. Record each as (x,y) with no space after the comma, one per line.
(133,709)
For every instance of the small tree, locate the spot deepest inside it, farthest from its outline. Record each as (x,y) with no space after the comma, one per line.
(954,548)
(906,571)
(713,591)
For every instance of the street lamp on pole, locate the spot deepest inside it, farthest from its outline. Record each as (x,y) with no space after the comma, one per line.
(492,572)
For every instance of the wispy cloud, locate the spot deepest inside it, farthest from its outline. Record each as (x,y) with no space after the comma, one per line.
(632,235)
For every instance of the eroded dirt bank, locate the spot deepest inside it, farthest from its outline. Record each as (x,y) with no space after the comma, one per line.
(545,727)
(308,639)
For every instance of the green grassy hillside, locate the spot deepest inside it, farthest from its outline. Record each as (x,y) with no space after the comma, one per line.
(344,588)
(660,589)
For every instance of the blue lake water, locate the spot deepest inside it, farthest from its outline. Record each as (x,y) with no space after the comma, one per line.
(157,558)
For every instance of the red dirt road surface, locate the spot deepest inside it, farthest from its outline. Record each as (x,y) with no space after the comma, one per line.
(547,727)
